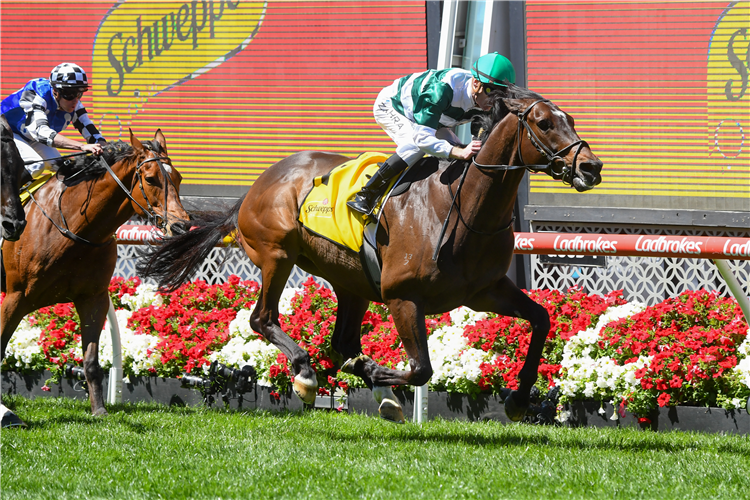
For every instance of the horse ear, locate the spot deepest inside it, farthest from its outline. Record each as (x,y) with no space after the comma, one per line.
(159,137)
(137,145)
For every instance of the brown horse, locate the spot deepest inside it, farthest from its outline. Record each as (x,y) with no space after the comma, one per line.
(471,262)
(68,252)
(12,168)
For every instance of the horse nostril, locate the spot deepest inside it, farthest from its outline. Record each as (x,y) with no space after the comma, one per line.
(180,227)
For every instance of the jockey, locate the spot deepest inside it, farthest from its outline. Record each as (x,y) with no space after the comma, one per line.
(416,109)
(43,108)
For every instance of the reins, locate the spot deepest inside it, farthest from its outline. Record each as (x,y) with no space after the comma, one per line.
(152,218)
(565,174)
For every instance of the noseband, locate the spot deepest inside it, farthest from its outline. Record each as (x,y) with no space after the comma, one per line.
(554,159)
(153,218)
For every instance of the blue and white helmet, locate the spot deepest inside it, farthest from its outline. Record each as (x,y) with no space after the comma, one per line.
(68,75)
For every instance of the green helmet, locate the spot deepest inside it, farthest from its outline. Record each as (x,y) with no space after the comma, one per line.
(494,69)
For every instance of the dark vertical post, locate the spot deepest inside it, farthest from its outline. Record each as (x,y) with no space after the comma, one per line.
(433,10)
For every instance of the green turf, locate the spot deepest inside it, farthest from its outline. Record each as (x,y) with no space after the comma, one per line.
(152,451)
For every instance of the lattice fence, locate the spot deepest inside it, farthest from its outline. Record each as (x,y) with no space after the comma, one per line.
(644,279)
(220,264)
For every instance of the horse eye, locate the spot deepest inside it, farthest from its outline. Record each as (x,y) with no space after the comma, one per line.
(544,125)
(152,181)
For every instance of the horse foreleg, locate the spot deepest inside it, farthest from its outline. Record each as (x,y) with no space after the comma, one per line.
(11,314)
(507,299)
(93,312)
(265,320)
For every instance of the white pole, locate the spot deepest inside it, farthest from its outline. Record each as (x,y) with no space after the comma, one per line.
(114,390)
(420,404)
(734,287)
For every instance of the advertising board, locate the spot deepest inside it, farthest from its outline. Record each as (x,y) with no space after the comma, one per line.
(235,85)
(660,92)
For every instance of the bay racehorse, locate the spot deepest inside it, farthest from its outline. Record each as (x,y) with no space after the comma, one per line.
(523,131)
(11,169)
(68,251)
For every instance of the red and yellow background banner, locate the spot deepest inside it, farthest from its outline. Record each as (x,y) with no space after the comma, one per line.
(235,85)
(659,90)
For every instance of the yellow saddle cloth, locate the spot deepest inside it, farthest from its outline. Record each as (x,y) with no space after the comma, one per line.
(324,210)
(35,185)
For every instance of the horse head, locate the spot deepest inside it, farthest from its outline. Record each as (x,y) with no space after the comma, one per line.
(158,185)
(11,162)
(546,139)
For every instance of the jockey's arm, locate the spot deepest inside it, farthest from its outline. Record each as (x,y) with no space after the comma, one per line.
(60,141)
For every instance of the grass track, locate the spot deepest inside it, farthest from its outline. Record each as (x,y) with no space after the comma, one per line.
(152,451)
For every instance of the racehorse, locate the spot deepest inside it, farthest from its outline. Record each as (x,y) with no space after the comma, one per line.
(522,131)
(11,165)
(68,252)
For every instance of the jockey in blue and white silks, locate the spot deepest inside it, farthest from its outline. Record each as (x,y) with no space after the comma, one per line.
(43,108)
(417,110)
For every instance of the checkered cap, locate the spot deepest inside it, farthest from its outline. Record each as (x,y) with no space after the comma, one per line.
(68,75)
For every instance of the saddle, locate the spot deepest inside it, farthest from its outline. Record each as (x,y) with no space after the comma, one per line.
(324,211)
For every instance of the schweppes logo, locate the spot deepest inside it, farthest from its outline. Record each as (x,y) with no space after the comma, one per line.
(318,208)
(728,85)
(144,48)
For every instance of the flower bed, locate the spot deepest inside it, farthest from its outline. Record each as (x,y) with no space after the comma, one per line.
(688,350)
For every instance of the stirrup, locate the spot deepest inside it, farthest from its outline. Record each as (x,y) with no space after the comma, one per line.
(360,205)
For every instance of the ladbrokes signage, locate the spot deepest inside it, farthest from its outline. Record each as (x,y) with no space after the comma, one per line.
(142,49)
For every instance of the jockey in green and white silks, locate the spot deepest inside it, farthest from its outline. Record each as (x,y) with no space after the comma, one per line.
(43,108)
(416,111)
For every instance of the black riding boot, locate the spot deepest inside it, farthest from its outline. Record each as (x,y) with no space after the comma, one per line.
(365,200)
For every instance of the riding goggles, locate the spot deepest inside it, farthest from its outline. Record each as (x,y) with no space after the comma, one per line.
(70,94)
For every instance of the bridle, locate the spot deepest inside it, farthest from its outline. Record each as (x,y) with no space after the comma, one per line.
(564,173)
(160,221)
(554,158)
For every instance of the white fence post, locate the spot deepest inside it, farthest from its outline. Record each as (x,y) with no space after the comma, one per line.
(420,404)
(734,286)
(114,390)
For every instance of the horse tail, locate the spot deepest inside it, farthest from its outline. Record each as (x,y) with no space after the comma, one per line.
(172,262)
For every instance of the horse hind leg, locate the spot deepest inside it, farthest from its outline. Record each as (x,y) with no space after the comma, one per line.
(346,342)
(346,338)
(265,320)
(408,317)
(93,312)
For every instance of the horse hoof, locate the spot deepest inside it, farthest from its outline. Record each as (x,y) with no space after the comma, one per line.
(391,411)
(350,366)
(513,410)
(101,412)
(10,419)
(305,391)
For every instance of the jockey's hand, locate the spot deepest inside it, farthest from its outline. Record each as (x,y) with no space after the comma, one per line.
(467,152)
(95,149)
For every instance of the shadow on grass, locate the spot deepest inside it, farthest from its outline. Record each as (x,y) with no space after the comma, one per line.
(523,435)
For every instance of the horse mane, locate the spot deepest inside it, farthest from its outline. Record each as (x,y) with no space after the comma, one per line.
(77,169)
(510,101)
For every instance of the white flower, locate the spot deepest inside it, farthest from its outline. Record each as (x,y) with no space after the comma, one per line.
(145,295)
(240,325)
(563,416)
(285,301)
(463,316)
(23,344)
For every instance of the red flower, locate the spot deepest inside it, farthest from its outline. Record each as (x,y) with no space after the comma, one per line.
(663,399)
